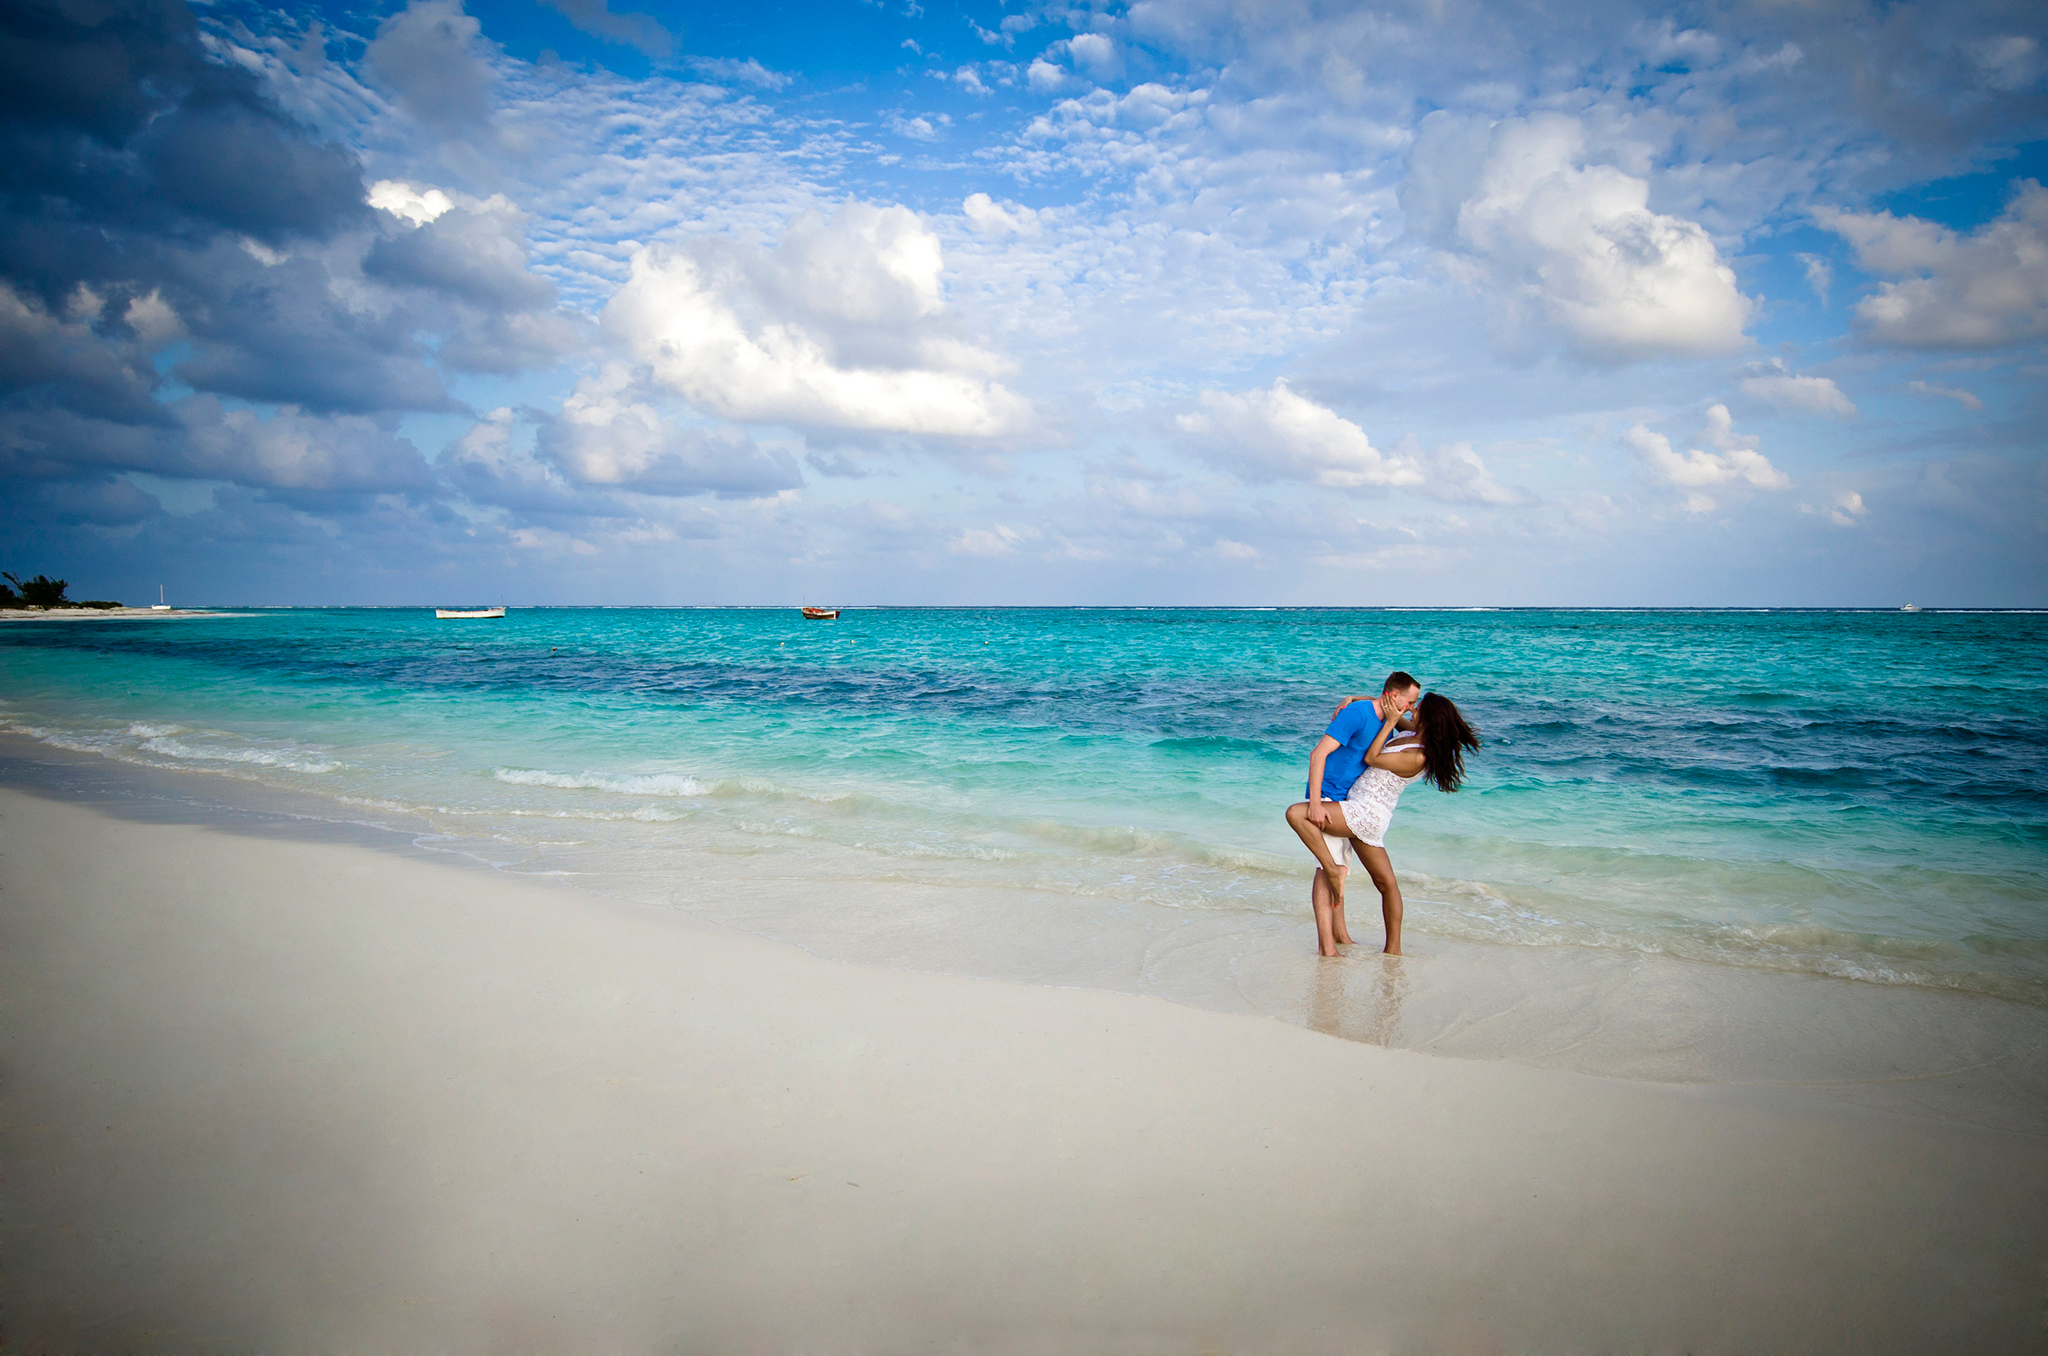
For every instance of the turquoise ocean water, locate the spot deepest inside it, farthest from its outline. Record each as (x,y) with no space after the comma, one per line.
(1095,796)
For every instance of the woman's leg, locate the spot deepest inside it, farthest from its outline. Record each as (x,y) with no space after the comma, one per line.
(1377,865)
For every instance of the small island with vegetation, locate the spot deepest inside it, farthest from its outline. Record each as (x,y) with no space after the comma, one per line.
(41,594)
(42,597)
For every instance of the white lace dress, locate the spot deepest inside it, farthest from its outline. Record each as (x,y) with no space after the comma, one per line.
(1370,806)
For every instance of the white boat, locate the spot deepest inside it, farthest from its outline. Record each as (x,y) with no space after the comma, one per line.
(469,612)
(1910,607)
(159,605)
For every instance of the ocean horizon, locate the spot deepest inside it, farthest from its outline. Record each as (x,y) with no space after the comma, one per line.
(216,607)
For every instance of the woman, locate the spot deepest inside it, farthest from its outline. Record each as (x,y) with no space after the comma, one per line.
(1436,749)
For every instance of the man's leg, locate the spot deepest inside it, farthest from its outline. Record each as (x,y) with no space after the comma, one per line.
(1331,932)
(1326,890)
(1338,927)
(1319,899)
(1340,852)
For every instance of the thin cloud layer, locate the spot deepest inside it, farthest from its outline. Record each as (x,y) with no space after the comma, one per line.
(1788,390)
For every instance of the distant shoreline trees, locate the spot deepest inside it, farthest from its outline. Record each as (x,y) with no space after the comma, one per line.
(42,592)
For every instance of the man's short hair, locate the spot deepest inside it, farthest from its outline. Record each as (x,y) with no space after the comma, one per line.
(1400,681)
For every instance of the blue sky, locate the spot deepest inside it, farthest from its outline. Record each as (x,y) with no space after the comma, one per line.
(1431,303)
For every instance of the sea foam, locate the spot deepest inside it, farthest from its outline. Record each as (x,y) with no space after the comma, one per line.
(626,784)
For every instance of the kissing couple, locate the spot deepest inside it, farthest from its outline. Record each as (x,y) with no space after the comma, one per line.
(1373,750)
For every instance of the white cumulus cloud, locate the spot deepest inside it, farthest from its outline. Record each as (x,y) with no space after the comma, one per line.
(404,201)
(609,434)
(1944,289)
(1519,207)
(1095,54)
(1278,435)
(990,217)
(1046,78)
(842,325)
(913,129)
(1737,462)
(1843,510)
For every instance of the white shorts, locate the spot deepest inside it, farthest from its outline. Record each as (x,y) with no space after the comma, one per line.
(1340,849)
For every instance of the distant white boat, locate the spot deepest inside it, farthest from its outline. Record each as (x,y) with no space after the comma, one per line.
(1910,607)
(159,605)
(469,612)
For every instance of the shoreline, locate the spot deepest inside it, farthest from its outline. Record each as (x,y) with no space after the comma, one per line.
(1878,609)
(102,613)
(412,1105)
(1632,1015)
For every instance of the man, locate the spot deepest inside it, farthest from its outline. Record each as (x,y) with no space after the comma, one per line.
(1337,762)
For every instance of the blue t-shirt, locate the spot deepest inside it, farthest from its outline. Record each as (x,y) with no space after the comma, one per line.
(1354,730)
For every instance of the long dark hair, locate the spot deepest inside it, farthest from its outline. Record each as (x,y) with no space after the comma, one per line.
(1445,737)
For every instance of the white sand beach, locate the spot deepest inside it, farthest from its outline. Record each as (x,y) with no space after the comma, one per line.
(100,613)
(273,1095)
